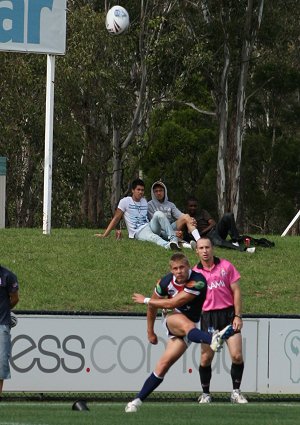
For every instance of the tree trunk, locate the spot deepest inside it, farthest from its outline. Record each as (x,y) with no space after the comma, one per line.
(230,154)
(119,147)
(223,124)
(117,169)
(94,161)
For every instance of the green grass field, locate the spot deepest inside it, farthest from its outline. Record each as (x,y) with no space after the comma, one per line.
(151,413)
(73,270)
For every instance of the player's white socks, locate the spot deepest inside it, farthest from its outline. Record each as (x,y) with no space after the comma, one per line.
(196,234)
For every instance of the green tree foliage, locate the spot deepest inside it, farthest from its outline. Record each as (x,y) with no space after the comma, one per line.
(95,82)
(22,134)
(271,158)
(179,50)
(182,151)
(272,107)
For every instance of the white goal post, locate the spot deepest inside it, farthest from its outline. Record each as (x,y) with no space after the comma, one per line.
(291,223)
(37,26)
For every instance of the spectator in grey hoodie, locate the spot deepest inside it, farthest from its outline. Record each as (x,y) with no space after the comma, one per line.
(177,219)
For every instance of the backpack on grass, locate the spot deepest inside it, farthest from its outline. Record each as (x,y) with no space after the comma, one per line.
(263,242)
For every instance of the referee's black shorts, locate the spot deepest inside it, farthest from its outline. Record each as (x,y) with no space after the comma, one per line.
(216,319)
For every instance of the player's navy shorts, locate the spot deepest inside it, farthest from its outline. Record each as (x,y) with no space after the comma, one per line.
(216,319)
(164,317)
(5,350)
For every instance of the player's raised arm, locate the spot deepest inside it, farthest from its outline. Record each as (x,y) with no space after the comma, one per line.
(179,300)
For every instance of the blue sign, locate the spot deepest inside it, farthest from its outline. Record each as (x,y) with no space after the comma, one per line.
(33,26)
(2,166)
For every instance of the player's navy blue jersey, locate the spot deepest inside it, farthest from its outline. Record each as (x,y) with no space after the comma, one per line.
(8,284)
(196,284)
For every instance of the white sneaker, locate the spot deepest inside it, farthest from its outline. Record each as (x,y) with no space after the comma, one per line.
(235,244)
(174,246)
(251,250)
(227,332)
(133,406)
(185,245)
(237,397)
(168,246)
(193,245)
(216,342)
(219,337)
(204,398)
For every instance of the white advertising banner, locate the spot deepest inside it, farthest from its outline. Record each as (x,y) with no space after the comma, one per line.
(37,26)
(111,353)
(284,361)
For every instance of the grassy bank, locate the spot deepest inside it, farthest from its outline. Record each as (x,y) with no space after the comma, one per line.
(72,270)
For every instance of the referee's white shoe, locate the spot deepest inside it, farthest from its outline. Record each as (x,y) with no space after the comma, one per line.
(237,397)
(204,398)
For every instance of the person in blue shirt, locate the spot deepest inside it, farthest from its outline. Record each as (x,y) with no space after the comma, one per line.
(9,297)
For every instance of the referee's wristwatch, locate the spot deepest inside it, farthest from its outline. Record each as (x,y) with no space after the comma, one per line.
(238,315)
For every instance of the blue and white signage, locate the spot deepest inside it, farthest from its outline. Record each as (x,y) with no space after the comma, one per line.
(112,353)
(37,26)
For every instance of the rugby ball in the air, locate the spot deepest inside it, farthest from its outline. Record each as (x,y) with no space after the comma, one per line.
(117,20)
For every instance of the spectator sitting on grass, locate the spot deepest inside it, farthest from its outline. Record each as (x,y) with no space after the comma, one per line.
(217,232)
(134,209)
(177,219)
